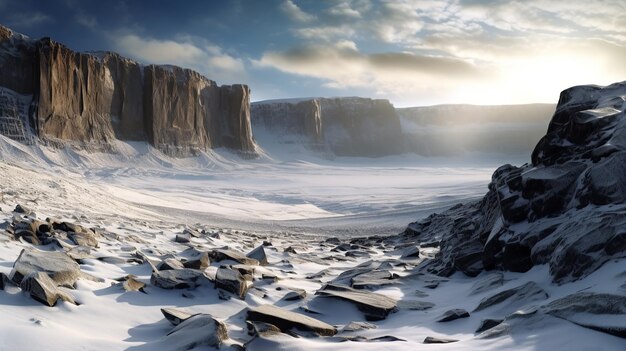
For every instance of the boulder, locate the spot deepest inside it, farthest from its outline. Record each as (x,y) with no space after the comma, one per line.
(197,330)
(175,316)
(177,278)
(60,267)
(225,254)
(515,297)
(452,315)
(43,289)
(374,306)
(487,324)
(434,340)
(259,255)
(231,281)
(286,320)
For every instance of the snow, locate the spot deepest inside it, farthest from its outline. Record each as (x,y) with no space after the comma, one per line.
(287,196)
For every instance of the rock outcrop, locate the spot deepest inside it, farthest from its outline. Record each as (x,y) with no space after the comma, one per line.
(566,209)
(349,126)
(95,98)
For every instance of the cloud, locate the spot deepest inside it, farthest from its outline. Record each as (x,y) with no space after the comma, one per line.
(29,19)
(343,10)
(295,13)
(342,66)
(185,51)
(86,20)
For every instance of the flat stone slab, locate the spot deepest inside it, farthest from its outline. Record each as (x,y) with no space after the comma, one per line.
(286,320)
(452,315)
(177,278)
(43,289)
(225,254)
(374,306)
(197,330)
(175,316)
(59,266)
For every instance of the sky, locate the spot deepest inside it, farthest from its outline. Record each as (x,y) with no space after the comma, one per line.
(412,52)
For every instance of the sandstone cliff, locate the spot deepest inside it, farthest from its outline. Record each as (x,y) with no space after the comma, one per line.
(345,126)
(95,98)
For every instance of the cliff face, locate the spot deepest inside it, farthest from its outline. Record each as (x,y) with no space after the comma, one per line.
(345,126)
(96,98)
(296,117)
(567,209)
(361,127)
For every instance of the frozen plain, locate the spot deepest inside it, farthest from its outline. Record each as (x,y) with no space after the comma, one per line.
(288,199)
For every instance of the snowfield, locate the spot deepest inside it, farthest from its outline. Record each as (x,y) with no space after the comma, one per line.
(141,200)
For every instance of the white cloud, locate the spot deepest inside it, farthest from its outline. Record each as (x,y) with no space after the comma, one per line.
(186,52)
(29,19)
(295,13)
(86,20)
(343,10)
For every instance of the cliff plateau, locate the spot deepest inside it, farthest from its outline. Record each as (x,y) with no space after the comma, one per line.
(91,99)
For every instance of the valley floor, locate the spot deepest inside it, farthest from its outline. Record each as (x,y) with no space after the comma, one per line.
(310,211)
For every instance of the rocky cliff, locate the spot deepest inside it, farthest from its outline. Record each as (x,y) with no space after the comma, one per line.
(94,98)
(567,209)
(345,126)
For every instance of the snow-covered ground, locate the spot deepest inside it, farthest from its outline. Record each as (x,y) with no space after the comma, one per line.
(146,198)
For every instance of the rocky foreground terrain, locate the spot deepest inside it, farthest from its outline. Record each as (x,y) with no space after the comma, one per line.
(538,263)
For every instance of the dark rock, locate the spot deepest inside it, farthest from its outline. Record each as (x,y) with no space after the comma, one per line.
(411,252)
(385,338)
(357,326)
(197,330)
(43,289)
(259,255)
(201,262)
(374,306)
(487,324)
(522,294)
(231,281)
(169,264)
(221,255)
(452,315)
(22,209)
(434,340)
(579,307)
(489,282)
(83,239)
(295,294)
(372,279)
(132,284)
(60,267)
(175,316)
(182,238)
(287,320)
(177,279)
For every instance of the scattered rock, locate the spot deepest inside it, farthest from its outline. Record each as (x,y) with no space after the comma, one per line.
(595,311)
(452,315)
(372,279)
(489,282)
(295,294)
(59,266)
(259,255)
(356,326)
(43,289)
(83,239)
(412,252)
(182,238)
(132,284)
(197,330)
(220,255)
(201,262)
(22,209)
(231,281)
(261,329)
(175,316)
(415,305)
(516,296)
(434,340)
(170,264)
(487,324)
(374,306)
(287,320)
(177,279)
